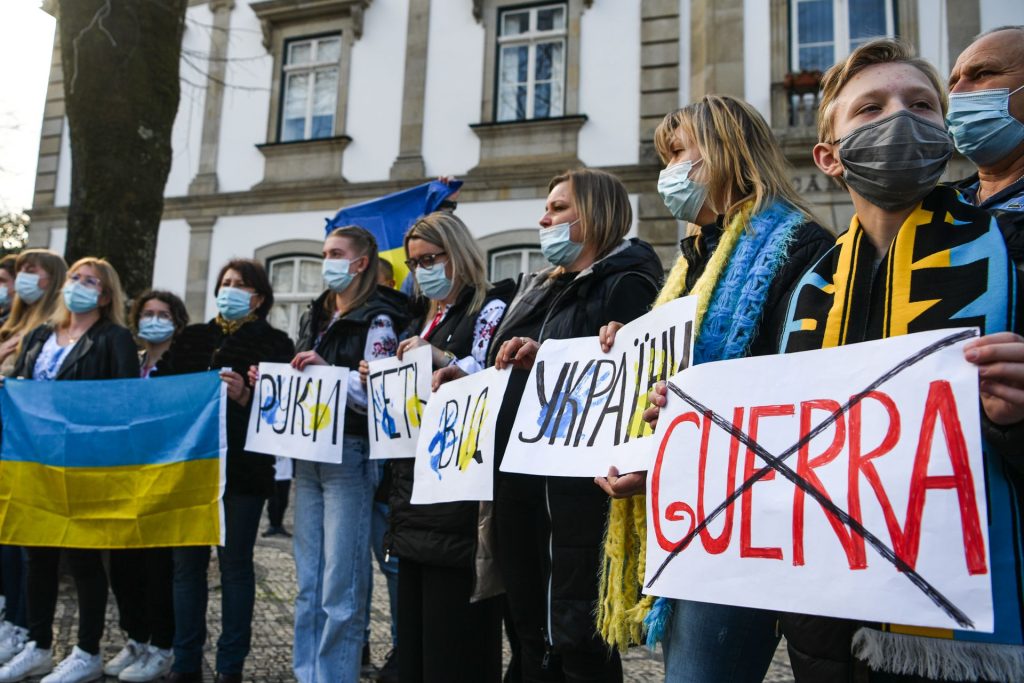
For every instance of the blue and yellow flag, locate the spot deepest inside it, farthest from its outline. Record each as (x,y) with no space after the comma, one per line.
(125,463)
(389,217)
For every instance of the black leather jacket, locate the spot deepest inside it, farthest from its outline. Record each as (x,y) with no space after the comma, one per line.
(105,351)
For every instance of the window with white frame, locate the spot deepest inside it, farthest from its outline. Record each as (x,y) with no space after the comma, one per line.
(310,89)
(295,280)
(825,31)
(531,62)
(509,263)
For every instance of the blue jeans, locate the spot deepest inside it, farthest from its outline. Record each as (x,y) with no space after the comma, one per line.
(709,642)
(332,564)
(238,591)
(389,566)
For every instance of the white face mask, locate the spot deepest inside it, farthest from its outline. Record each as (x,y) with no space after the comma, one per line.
(683,195)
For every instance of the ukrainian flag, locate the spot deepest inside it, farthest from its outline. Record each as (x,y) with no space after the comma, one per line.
(127,463)
(389,217)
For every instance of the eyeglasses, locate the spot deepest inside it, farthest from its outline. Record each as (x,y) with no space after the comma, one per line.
(87,280)
(425,261)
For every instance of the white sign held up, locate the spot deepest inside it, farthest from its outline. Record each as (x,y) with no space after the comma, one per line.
(875,509)
(397,391)
(582,409)
(299,414)
(455,453)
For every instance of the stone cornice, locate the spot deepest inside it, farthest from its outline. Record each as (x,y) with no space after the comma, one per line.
(273,12)
(517,183)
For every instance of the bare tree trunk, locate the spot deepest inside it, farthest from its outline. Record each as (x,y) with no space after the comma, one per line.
(120,61)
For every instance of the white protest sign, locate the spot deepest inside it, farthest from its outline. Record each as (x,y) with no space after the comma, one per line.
(299,414)
(885,516)
(582,409)
(396,392)
(455,453)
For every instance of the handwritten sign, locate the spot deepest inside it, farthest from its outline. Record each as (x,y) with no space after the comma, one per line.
(396,391)
(455,453)
(582,409)
(299,414)
(846,482)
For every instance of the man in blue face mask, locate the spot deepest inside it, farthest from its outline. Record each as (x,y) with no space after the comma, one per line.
(986,119)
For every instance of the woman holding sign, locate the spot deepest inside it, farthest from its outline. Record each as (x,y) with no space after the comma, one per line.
(86,341)
(549,528)
(725,173)
(237,338)
(444,636)
(882,136)
(355,319)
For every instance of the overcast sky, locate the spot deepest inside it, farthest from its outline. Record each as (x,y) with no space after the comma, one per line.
(24,70)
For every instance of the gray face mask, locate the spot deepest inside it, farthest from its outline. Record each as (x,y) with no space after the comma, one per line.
(895,162)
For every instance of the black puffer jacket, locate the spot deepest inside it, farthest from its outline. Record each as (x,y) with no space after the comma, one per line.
(105,351)
(441,534)
(621,287)
(343,342)
(205,346)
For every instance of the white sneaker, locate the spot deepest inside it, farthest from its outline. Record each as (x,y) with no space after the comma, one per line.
(156,663)
(12,641)
(78,667)
(31,661)
(129,654)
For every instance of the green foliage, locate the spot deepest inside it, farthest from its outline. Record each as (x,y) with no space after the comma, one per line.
(13,231)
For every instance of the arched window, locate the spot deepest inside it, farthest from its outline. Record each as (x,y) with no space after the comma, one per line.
(296,280)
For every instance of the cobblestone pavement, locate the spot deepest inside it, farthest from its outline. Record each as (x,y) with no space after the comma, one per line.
(270,659)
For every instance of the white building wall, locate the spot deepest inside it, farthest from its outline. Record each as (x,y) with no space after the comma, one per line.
(454,90)
(246,104)
(375,92)
(610,84)
(995,13)
(933,34)
(757,56)
(170,267)
(188,124)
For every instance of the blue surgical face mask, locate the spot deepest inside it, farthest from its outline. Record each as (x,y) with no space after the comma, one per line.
(336,274)
(5,297)
(982,126)
(27,287)
(557,245)
(433,282)
(683,195)
(155,330)
(79,298)
(233,303)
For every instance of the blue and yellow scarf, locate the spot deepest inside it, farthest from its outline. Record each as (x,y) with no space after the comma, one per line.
(947,267)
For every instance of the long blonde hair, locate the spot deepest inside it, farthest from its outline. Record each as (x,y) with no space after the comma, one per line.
(742,159)
(112,311)
(447,231)
(365,283)
(25,316)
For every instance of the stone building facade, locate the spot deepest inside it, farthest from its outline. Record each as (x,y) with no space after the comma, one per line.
(292,109)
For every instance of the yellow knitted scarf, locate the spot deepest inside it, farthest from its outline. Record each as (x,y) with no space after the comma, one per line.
(621,605)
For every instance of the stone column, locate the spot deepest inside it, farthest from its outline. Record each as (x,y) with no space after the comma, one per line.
(716,48)
(963,22)
(659,94)
(197,278)
(50,137)
(409,164)
(205,181)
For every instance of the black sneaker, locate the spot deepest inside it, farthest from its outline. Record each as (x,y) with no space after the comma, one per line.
(389,672)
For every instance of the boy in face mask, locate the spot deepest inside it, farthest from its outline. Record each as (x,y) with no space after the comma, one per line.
(986,119)
(883,137)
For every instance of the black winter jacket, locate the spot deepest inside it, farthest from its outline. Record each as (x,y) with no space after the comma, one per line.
(203,347)
(105,351)
(440,534)
(343,343)
(622,287)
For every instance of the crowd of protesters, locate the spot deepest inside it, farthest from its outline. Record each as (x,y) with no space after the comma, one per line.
(533,561)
